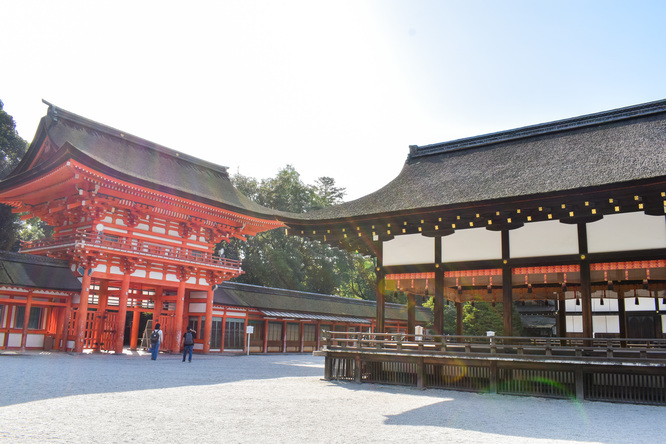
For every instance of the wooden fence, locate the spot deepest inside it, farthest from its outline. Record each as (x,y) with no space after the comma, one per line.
(615,370)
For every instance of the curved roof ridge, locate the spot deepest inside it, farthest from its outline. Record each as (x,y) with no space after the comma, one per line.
(286,292)
(613,115)
(56,113)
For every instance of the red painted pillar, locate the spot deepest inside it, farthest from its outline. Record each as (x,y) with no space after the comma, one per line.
(26,319)
(180,309)
(284,336)
(122,314)
(209,320)
(102,302)
(136,318)
(302,334)
(82,312)
(65,323)
(265,335)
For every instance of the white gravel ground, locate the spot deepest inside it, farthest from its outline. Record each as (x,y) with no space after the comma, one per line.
(57,397)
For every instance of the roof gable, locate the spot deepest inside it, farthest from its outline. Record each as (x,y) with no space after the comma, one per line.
(265,298)
(23,270)
(598,150)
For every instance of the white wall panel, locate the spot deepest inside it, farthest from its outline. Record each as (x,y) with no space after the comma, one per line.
(628,231)
(644,304)
(549,238)
(574,324)
(197,307)
(409,249)
(471,245)
(606,324)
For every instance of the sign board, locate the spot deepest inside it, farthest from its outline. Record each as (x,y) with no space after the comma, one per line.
(249,329)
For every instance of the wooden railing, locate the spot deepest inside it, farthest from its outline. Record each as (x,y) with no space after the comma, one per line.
(596,369)
(636,348)
(129,246)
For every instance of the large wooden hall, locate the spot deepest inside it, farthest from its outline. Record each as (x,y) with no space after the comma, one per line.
(567,213)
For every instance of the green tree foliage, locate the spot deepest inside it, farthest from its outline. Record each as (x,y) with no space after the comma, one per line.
(274,259)
(478,319)
(12,149)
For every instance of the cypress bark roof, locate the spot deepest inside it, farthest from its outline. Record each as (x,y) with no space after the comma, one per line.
(131,159)
(274,299)
(24,270)
(623,145)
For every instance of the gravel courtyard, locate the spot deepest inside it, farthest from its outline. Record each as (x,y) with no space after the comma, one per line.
(59,397)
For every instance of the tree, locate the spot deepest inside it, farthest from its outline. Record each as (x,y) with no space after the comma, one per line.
(12,149)
(478,318)
(274,259)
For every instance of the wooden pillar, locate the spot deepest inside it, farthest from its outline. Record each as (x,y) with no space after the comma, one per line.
(122,313)
(265,335)
(380,290)
(209,320)
(157,308)
(302,334)
(67,319)
(82,312)
(180,309)
(507,286)
(61,327)
(26,320)
(585,282)
(622,313)
(224,331)
(102,303)
(411,314)
(459,318)
(562,316)
(438,307)
(284,336)
(136,320)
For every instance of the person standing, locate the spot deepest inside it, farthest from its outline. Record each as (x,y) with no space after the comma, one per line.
(188,343)
(156,338)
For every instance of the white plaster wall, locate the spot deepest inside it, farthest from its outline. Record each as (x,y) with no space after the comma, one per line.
(609,305)
(34,340)
(472,244)
(196,307)
(574,324)
(606,324)
(628,231)
(644,304)
(549,238)
(139,273)
(14,340)
(198,295)
(409,249)
(571,307)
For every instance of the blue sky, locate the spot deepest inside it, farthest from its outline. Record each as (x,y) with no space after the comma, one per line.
(335,88)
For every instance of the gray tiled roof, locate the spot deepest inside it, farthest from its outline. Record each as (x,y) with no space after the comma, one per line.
(624,145)
(274,299)
(24,270)
(135,160)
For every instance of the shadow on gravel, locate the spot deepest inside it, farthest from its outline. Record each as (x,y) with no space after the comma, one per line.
(519,416)
(37,376)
